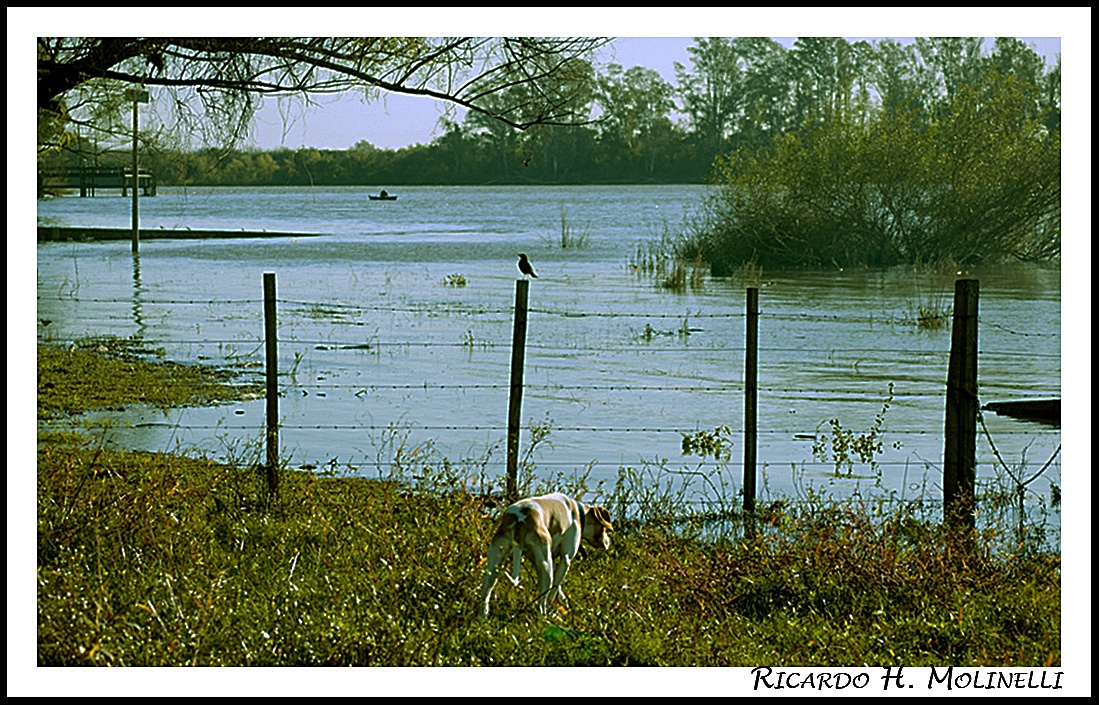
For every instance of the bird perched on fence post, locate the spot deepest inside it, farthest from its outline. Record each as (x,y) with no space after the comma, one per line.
(525,268)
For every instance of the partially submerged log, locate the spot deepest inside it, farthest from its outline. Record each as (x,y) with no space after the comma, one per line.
(1046,411)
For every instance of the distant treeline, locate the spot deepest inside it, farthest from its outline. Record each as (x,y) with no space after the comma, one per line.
(463,155)
(457,158)
(737,95)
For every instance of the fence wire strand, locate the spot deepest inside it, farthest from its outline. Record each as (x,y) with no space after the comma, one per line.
(255,345)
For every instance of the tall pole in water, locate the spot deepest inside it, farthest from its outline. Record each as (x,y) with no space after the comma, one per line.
(751,398)
(133,211)
(962,406)
(136,95)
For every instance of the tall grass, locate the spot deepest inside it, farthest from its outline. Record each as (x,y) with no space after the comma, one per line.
(569,235)
(147,559)
(933,298)
(662,261)
(154,559)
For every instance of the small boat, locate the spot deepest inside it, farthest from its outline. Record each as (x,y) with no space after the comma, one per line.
(383,196)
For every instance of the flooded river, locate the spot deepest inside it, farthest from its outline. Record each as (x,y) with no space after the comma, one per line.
(395,329)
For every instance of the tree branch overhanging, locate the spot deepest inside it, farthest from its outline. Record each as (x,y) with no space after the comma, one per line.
(521,82)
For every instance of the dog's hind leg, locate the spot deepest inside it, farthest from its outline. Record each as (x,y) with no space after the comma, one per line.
(491,574)
(545,583)
(559,578)
(516,559)
(486,591)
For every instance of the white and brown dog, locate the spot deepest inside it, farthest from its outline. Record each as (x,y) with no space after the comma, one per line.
(548,529)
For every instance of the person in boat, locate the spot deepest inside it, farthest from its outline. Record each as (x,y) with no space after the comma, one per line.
(384,193)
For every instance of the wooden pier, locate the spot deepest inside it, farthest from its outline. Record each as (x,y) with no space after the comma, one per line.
(88,179)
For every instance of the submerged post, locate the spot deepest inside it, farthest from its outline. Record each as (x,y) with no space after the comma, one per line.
(751,392)
(272,354)
(515,401)
(960,447)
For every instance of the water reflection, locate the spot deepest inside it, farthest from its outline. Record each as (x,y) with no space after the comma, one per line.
(136,303)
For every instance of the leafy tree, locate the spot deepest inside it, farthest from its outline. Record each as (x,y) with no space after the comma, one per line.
(454,149)
(766,89)
(712,91)
(978,183)
(636,104)
(553,150)
(496,136)
(1051,98)
(1012,57)
(994,178)
(513,101)
(824,71)
(634,101)
(949,64)
(895,75)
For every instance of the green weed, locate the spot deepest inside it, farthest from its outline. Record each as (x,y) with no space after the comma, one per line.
(571,237)
(843,447)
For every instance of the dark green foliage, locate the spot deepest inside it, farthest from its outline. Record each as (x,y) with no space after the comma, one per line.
(977,181)
(744,95)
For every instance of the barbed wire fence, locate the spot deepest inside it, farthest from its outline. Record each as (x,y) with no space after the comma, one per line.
(648,340)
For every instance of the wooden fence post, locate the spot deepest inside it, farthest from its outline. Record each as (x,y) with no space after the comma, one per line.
(272,354)
(960,446)
(515,402)
(751,393)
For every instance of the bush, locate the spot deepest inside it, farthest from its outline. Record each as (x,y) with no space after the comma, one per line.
(980,182)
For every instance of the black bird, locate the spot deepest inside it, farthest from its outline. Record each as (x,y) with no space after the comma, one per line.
(525,268)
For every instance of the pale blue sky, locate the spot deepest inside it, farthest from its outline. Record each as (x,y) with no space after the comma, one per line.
(396,121)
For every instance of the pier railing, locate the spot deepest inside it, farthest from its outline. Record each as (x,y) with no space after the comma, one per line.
(88,179)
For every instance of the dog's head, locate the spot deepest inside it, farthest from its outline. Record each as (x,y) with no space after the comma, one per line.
(597,526)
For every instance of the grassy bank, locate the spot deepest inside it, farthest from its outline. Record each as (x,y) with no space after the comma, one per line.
(113,373)
(152,559)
